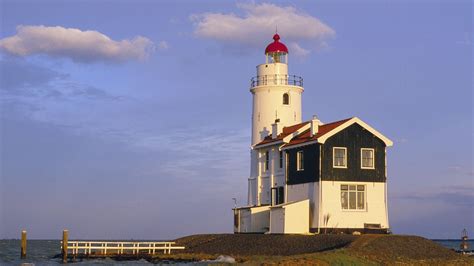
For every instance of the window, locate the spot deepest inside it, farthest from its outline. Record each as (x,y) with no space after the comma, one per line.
(281,159)
(300,161)
(236,219)
(286,99)
(353,197)
(367,158)
(339,157)
(278,195)
(267,160)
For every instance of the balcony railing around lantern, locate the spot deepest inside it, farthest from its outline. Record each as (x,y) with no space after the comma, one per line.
(276,79)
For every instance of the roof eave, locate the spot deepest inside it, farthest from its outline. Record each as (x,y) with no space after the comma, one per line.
(259,146)
(300,144)
(351,121)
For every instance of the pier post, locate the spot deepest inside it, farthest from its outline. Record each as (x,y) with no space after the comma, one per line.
(23,244)
(64,249)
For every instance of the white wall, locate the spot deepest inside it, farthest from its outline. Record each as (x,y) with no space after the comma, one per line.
(375,212)
(306,191)
(253,220)
(252,191)
(277,221)
(265,196)
(268,102)
(244,221)
(260,219)
(267,179)
(290,218)
(268,106)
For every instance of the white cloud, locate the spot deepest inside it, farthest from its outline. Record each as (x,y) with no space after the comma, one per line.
(297,50)
(163,45)
(81,46)
(258,23)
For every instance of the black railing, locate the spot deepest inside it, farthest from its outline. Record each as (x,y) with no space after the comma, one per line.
(276,79)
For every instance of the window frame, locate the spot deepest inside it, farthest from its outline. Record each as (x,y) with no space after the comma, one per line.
(299,161)
(283,98)
(266,161)
(334,157)
(278,195)
(356,191)
(280,162)
(362,158)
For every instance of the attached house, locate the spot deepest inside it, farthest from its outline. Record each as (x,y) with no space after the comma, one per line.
(319,178)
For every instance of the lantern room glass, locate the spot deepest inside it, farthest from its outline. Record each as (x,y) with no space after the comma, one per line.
(277,57)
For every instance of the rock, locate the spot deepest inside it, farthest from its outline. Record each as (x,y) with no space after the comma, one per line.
(225,259)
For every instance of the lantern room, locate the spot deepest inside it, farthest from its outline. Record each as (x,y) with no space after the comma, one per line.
(276,52)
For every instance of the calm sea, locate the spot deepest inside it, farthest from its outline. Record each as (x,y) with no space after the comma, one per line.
(42,252)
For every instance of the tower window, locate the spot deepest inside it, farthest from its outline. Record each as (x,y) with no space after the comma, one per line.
(286,99)
(281,159)
(267,161)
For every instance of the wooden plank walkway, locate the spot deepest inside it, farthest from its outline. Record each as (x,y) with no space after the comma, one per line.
(84,249)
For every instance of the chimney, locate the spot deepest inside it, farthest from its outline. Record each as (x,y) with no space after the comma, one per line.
(314,126)
(275,129)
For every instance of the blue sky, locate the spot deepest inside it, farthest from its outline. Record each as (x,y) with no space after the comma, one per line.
(136,124)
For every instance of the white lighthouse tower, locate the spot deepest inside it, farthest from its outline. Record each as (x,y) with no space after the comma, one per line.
(276,104)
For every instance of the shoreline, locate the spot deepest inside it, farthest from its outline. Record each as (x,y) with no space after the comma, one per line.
(262,249)
(318,249)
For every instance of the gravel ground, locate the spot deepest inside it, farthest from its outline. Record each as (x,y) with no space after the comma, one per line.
(383,247)
(259,244)
(395,247)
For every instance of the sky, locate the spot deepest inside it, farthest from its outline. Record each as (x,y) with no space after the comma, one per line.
(131,119)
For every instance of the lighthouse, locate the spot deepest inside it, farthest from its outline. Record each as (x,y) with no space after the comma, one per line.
(276,104)
(309,176)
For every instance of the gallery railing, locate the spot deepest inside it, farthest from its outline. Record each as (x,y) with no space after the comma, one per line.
(276,80)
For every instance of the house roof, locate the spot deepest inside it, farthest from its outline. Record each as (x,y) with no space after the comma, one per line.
(299,134)
(285,132)
(322,130)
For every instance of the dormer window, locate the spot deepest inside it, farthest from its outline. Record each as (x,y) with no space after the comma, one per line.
(286,99)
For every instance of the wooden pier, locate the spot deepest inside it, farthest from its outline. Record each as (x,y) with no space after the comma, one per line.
(116,249)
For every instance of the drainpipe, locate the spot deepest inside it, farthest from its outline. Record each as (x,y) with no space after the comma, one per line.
(320,190)
(386,192)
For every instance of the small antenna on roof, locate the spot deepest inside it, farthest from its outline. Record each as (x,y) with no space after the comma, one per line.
(276,29)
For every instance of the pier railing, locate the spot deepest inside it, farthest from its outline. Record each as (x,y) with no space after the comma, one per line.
(277,79)
(101,248)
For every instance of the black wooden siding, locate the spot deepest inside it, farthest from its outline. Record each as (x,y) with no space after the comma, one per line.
(353,138)
(311,165)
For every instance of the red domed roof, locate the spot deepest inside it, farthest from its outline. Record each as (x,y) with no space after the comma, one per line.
(276,46)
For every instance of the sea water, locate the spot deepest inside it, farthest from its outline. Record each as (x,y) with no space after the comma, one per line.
(42,252)
(453,243)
